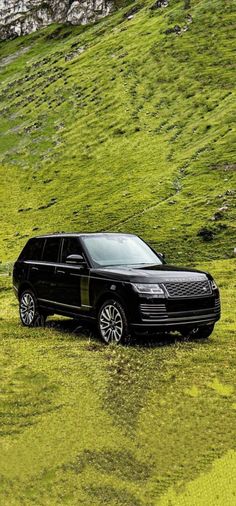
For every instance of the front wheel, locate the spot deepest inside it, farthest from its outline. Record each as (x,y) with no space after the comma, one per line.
(30,314)
(112,322)
(199,332)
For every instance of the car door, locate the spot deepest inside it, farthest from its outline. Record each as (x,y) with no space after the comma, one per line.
(46,269)
(71,279)
(30,258)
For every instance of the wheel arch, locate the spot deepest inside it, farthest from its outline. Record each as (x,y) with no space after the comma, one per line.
(108,296)
(24,287)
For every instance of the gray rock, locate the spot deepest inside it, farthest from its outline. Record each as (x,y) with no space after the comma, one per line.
(174,29)
(158,4)
(75,53)
(217,216)
(21,17)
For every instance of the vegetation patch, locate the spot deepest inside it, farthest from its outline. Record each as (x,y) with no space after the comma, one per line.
(132,126)
(148,423)
(134,134)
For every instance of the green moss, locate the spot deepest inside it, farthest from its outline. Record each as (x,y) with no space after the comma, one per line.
(82,423)
(217,487)
(122,127)
(134,131)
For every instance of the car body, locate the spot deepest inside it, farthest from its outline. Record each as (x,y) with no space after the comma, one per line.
(77,275)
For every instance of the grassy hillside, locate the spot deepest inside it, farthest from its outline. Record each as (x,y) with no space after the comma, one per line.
(144,425)
(125,125)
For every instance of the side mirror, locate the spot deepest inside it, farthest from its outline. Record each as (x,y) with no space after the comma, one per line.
(75,260)
(161,255)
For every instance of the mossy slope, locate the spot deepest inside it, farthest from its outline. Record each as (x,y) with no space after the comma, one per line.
(82,423)
(123,125)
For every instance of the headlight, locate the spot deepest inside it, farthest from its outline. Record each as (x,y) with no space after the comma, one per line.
(214,285)
(149,288)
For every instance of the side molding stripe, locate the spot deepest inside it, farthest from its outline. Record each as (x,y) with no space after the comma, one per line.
(84,291)
(59,303)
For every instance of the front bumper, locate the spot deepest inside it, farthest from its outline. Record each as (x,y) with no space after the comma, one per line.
(167,315)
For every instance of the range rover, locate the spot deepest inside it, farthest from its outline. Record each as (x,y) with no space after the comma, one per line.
(114,280)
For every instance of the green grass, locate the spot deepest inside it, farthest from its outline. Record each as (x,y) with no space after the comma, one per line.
(135,133)
(82,423)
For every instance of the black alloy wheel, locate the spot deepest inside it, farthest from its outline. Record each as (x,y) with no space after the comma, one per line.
(29,312)
(112,322)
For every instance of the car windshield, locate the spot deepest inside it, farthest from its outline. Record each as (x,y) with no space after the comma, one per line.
(107,250)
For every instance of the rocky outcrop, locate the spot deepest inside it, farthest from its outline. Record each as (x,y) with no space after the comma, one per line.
(20,17)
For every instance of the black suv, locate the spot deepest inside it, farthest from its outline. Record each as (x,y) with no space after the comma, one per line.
(114,280)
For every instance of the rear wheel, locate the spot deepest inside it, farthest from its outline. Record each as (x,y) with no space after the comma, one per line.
(112,322)
(30,314)
(198,332)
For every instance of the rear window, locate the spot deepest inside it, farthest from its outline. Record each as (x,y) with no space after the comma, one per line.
(32,250)
(51,249)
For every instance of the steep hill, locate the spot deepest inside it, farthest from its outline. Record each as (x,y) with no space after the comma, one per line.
(126,125)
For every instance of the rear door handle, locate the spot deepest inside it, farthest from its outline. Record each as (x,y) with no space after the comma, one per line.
(34,268)
(60,271)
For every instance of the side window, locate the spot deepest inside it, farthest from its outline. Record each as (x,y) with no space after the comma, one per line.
(32,250)
(71,246)
(51,249)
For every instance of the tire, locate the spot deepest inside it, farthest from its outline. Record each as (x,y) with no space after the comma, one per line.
(30,314)
(199,332)
(112,322)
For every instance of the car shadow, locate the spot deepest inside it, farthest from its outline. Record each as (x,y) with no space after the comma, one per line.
(84,330)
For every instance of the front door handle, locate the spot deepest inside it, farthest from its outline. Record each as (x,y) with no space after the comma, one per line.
(34,268)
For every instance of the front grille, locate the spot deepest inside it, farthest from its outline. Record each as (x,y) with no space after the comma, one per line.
(153,311)
(188,288)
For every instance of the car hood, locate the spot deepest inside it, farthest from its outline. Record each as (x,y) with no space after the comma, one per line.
(151,274)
